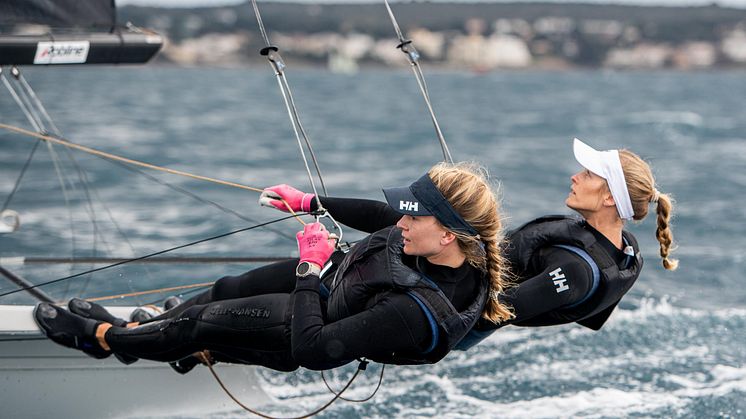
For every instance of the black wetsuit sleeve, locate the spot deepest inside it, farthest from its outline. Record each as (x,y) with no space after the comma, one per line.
(565,280)
(361,214)
(394,323)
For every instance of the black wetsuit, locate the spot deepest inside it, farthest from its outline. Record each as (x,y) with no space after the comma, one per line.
(535,298)
(267,317)
(555,284)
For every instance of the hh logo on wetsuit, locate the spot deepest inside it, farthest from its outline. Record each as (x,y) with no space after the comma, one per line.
(559,280)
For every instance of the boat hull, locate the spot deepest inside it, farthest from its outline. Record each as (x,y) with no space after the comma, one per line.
(39,378)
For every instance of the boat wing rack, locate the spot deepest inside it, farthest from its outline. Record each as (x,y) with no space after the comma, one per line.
(121,46)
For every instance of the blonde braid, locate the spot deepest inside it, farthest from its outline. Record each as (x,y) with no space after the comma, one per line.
(466,187)
(642,192)
(495,311)
(663,231)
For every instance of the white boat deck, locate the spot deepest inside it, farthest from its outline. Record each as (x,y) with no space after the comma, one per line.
(39,378)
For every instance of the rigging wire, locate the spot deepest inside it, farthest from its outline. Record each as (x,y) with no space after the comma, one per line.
(24,103)
(115,158)
(20,177)
(272,52)
(407,47)
(160,252)
(38,109)
(198,198)
(178,189)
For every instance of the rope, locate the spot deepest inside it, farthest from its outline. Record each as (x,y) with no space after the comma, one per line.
(380,380)
(114,157)
(198,198)
(124,159)
(206,359)
(146,256)
(154,291)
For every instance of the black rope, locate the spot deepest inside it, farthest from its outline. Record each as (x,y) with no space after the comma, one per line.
(54,281)
(363,366)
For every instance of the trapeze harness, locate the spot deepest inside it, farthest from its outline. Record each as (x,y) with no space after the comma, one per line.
(609,282)
(375,267)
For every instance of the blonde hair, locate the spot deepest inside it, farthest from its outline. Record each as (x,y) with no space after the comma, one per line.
(642,192)
(467,189)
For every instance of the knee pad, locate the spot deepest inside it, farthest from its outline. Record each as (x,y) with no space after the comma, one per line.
(225,288)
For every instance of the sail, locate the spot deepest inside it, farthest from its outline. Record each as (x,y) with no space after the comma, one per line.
(84,14)
(70,32)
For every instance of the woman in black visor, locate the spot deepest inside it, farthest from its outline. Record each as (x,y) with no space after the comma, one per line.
(406,294)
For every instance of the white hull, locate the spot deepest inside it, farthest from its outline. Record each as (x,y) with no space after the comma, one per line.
(39,378)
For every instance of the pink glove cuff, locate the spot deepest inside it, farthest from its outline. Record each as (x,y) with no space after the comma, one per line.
(305,202)
(297,200)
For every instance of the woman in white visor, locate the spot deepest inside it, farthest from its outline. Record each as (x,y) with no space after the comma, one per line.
(570,269)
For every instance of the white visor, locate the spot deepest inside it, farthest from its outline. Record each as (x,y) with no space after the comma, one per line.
(607,165)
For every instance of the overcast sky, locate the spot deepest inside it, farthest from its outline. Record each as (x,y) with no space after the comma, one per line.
(190,3)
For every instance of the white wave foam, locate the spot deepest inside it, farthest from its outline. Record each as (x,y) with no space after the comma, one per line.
(654,307)
(724,380)
(596,402)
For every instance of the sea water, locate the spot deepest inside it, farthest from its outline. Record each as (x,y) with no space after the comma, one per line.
(675,347)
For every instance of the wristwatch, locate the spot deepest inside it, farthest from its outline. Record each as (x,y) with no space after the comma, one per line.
(307,268)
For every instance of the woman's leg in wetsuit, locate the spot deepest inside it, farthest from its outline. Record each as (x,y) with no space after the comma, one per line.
(252,330)
(268,279)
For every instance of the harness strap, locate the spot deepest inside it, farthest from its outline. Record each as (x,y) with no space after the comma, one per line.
(430,320)
(594,268)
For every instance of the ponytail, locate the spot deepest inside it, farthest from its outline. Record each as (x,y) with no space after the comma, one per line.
(642,192)
(494,310)
(663,231)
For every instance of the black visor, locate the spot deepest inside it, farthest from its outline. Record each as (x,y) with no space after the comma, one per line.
(423,198)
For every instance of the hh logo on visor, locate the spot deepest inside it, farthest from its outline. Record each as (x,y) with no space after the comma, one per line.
(409,206)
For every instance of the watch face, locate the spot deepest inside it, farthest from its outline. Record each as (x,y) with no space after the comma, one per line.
(303,268)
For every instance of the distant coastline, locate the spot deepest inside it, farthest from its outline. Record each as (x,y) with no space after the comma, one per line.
(479,37)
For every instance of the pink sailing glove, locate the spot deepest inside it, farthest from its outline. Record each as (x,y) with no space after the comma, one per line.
(298,201)
(314,244)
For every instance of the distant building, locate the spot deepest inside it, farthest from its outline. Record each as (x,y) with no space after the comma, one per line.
(517,27)
(430,44)
(385,50)
(693,55)
(607,30)
(733,46)
(223,49)
(644,55)
(482,53)
(552,25)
